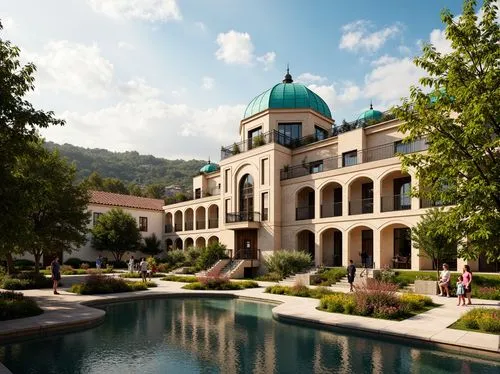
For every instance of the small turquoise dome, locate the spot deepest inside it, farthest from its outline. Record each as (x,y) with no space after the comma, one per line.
(370,114)
(209,168)
(287,95)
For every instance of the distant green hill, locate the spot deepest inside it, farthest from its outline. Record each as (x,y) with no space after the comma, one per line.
(130,166)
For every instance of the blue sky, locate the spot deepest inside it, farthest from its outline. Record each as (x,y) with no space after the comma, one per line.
(172,78)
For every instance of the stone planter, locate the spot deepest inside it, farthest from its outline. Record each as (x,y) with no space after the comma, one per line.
(426,287)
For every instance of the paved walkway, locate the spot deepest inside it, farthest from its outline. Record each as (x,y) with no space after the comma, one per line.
(70,312)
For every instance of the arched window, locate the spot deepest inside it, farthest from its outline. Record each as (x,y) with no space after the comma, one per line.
(246,194)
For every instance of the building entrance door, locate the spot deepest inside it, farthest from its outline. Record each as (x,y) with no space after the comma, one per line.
(246,244)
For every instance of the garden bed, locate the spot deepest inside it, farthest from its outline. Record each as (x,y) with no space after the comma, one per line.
(300,291)
(15,305)
(101,284)
(219,284)
(480,320)
(180,278)
(26,281)
(139,275)
(378,300)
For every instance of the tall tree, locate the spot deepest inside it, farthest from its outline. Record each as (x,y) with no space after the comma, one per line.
(19,122)
(57,214)
(116,231)
(152,245)
(433,239)
(155,191)
(457,111)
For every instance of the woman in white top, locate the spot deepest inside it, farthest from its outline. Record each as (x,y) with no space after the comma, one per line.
(144,269)
(444,281)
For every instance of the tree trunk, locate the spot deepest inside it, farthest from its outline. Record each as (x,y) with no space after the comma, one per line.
(10,263)
(37,262)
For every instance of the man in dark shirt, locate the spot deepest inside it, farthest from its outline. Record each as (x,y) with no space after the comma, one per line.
(351,273)
(55,270)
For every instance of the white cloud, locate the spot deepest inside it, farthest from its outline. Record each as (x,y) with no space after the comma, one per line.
(350,93)
(180,92)
(207,83)
(137,89)
(308,78)
(125,45)
(268,60)
(73,67)
(147,10)
(357,36)
(438,39)
(391,79)
(235,48)
(152,126)
(384,60)
(7,23)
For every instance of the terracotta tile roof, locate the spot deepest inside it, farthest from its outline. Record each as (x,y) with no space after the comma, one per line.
(126,201)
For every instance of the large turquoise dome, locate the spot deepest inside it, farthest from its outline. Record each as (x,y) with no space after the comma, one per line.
(370,114)
(209,168)
(287,95)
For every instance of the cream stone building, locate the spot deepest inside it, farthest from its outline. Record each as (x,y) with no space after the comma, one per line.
(295,180)
(148,213)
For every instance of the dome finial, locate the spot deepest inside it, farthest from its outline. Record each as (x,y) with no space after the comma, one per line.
(288,77)
(371,105)
(209,159)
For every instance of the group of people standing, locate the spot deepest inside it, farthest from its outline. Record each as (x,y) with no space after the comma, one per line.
(464,284)
(142,267)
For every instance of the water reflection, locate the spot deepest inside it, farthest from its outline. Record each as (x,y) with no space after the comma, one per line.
(219,336)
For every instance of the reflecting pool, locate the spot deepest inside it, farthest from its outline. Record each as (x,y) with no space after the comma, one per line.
(220,336)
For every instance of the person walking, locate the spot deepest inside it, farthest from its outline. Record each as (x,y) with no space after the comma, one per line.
(444,281)
(55,270)
(467,282)
(144,269)
(351,273)
(98,262)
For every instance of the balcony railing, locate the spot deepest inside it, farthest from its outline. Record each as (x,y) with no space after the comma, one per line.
(202,194)
(213,223)
(304,212)
(331,210)
(395,202)
(242,217)
(361,206)
(366,155)
(200,225)
(188,226)
(178,227)
(292,143)
(168,228)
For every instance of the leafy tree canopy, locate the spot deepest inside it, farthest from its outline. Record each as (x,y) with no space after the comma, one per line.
(152,245)
(116,231)
(19,122)
(57,214)
(456,110)
(433,239)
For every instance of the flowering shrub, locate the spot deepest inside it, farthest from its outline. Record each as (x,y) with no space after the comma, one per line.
(376,299)
(490,293)
(484,319)
(84,266)
(101,284)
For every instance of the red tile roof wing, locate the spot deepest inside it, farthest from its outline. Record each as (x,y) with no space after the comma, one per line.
(127,201)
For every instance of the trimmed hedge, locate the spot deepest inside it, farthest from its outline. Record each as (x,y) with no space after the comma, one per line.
(14,305)
(219,284)
(480,319)
(301,291)
(26,281)
(101,284)
(180,278)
